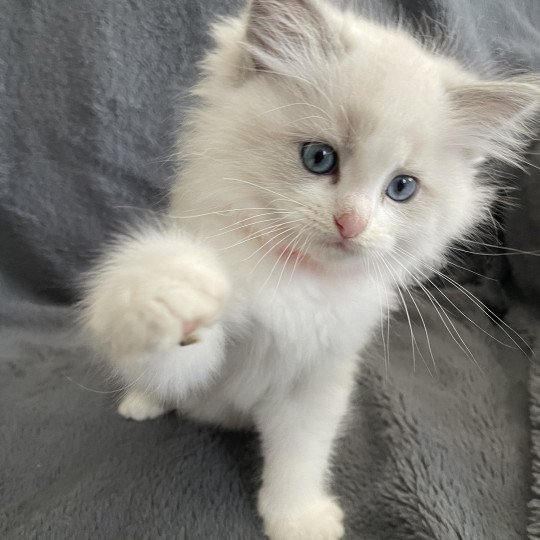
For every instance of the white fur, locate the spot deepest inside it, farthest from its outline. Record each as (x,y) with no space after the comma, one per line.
(279,333)
(139,406)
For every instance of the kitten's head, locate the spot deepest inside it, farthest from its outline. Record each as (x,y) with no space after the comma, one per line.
(365,145)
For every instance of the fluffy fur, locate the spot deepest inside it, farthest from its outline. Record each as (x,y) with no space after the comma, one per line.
(250,260)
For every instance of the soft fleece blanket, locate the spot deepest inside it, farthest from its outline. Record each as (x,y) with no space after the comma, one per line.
(88,109)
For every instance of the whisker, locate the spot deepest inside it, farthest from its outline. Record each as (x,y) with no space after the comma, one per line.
(219,212)
(463,345)
(291,233)
(398,288)
(93,390)
(257,234)
(381,282)
(305,246)
(509,254)
(479,304)
(267,230)
(272,239)
(498,321)
(425,330)
(300,103)
(311,117)
(471,271)
(265,189)
(231,228)
(290,248)
(256,216)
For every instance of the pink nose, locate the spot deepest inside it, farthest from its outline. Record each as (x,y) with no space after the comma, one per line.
(350,224)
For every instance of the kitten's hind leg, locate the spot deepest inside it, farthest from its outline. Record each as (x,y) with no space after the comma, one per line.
(141,406)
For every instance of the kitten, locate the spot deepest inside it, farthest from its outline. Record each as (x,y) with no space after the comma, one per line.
(329,160)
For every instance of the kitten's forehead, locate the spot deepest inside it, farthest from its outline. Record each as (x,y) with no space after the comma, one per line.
(390,98)
(371,91)
(374,116)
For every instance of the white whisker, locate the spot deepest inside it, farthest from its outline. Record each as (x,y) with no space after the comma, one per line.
(290,248)
(479,304)
(265,189)
(463,345)
(272,247)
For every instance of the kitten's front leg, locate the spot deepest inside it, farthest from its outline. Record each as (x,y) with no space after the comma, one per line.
(297,433)
(150,293)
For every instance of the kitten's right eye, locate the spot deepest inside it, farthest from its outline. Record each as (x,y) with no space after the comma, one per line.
(319,158)
(402,188)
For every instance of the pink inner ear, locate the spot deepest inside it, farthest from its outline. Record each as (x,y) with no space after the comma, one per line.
(350,224)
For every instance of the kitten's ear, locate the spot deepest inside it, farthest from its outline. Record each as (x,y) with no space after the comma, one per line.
(496,119)
(285,32)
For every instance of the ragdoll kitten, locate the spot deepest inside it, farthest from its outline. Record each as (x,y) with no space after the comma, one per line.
(329,160)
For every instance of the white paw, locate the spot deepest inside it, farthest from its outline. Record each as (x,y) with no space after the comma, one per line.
(322,521)
(154,292)
(177,302)
(137,406)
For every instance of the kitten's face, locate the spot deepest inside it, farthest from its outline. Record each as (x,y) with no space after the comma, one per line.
(380,157)
(350,133)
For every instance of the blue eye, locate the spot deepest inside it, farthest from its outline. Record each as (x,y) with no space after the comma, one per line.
(402,188)
(319,158)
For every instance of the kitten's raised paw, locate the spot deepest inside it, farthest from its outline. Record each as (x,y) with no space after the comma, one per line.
(154,293)
(322,521)
(138,406)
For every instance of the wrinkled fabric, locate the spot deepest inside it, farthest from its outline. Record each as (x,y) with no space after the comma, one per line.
(91,94)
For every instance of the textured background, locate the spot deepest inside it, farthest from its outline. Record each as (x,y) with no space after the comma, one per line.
(88,94)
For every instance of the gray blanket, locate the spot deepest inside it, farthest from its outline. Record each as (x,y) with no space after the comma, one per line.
(89,101)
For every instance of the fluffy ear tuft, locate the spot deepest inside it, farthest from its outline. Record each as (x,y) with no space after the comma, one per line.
(285,32)
(496,119)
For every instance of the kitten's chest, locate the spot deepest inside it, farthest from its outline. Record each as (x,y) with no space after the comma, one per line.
(294,331)
(305,324)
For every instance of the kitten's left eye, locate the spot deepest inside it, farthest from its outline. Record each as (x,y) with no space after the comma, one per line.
(319,158)
(402,188)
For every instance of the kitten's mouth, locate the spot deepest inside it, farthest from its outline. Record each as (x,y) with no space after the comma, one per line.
(305,260)
(341,245)
(299,258)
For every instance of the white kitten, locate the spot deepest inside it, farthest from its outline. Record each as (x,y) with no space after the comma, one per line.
(329,160)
